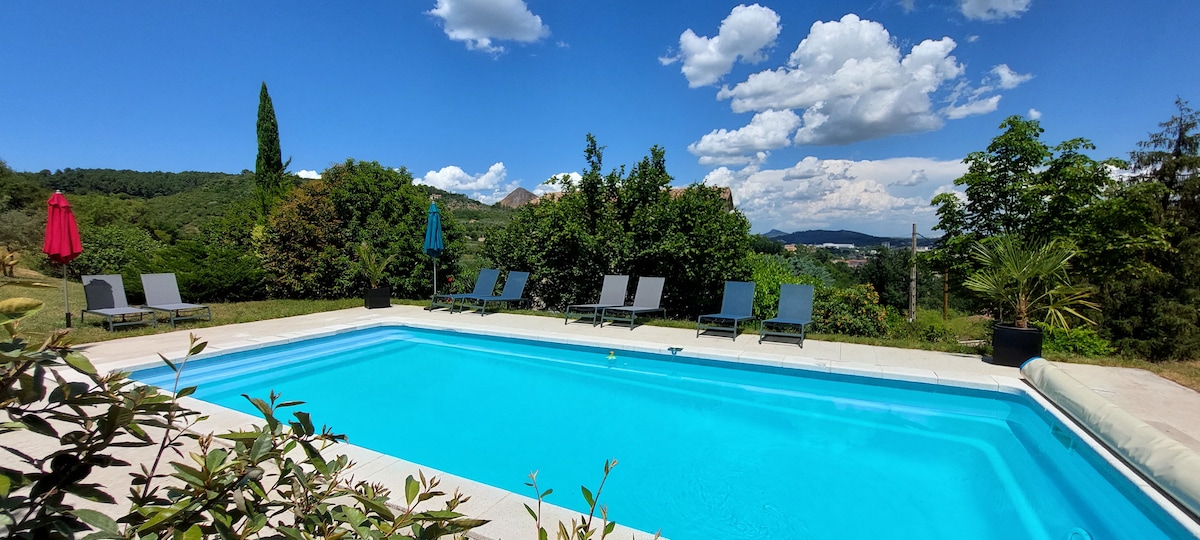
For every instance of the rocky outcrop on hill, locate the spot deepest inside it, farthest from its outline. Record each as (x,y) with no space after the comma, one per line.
(518,197)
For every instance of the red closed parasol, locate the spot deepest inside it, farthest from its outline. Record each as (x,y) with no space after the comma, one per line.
(62,239)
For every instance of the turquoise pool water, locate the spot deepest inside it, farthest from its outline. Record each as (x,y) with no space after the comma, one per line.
(706,450)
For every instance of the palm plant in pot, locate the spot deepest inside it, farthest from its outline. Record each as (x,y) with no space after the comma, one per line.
(1027,282)
(373,268)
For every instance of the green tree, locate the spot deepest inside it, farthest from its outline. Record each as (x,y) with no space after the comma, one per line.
(762,244)
(613,223)
(270,156)
(1152,301)
(889,272)
(309,243)
(270,171)
(303,247)
(22,210)
(1022,186)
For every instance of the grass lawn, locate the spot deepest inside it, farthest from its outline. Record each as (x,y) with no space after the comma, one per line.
(51,317)
(49,290)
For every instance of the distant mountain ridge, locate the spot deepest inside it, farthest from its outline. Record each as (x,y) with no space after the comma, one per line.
(844,237)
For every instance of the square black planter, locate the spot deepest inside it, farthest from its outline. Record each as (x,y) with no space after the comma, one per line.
(380,297)
(1012,346)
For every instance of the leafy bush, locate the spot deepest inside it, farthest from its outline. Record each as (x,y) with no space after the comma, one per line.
(1079,340)
(769,272)
(308,248)
(581,528)
(304,248)
(276,471)
(113,249)
(852,311)
(928,327)
(806,265)
(210,272)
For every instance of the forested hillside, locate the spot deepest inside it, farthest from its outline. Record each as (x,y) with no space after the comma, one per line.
(133,183)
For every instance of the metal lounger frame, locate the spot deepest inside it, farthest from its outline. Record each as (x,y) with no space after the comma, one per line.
(645,300)
(105,297)
(514,289)
(737,305)
(612,295)
(485,284)
(795,309)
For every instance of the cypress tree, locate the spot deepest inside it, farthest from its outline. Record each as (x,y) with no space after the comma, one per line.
(269,164)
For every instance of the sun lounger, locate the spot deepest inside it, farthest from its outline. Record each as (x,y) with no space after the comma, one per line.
(612,294)
(513,291)
(795,309)
(737,305)
(162,294)
(485,285)
(105,297)
(645,300)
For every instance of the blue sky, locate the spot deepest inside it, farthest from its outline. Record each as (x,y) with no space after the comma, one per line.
(837,115)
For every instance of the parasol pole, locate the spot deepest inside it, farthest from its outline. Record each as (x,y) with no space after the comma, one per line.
(435,279)
(66,299)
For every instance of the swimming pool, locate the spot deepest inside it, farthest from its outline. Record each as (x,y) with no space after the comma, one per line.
(707,449)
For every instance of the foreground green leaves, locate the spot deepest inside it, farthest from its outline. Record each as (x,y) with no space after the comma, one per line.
(275,480)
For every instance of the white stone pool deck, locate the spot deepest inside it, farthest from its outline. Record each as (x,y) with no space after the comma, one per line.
(1166,405)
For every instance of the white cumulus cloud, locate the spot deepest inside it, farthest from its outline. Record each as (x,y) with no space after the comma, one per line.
(487,187)
(744,34)
(767,130)
(311,175)
(993,10)
(972,108)
(478,23)
(873,195)
(1034,114)
(1007,78)
(548,187)
(853,83)
(915,178)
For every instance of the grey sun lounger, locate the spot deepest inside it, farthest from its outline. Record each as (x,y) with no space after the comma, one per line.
(612,294)
(645,300)
(513,291)
(485,285)
(105,297)
(737,305)
(795,309)
(162,294)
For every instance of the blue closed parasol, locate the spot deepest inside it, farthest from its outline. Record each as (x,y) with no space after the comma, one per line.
(434,245)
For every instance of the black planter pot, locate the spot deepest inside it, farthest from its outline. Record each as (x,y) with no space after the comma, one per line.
(379,297)
(1012,346)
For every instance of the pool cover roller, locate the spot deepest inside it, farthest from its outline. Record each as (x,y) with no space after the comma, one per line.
(1174,467)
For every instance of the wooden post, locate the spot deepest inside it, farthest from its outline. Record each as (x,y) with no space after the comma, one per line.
(946,295)
(912,280)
